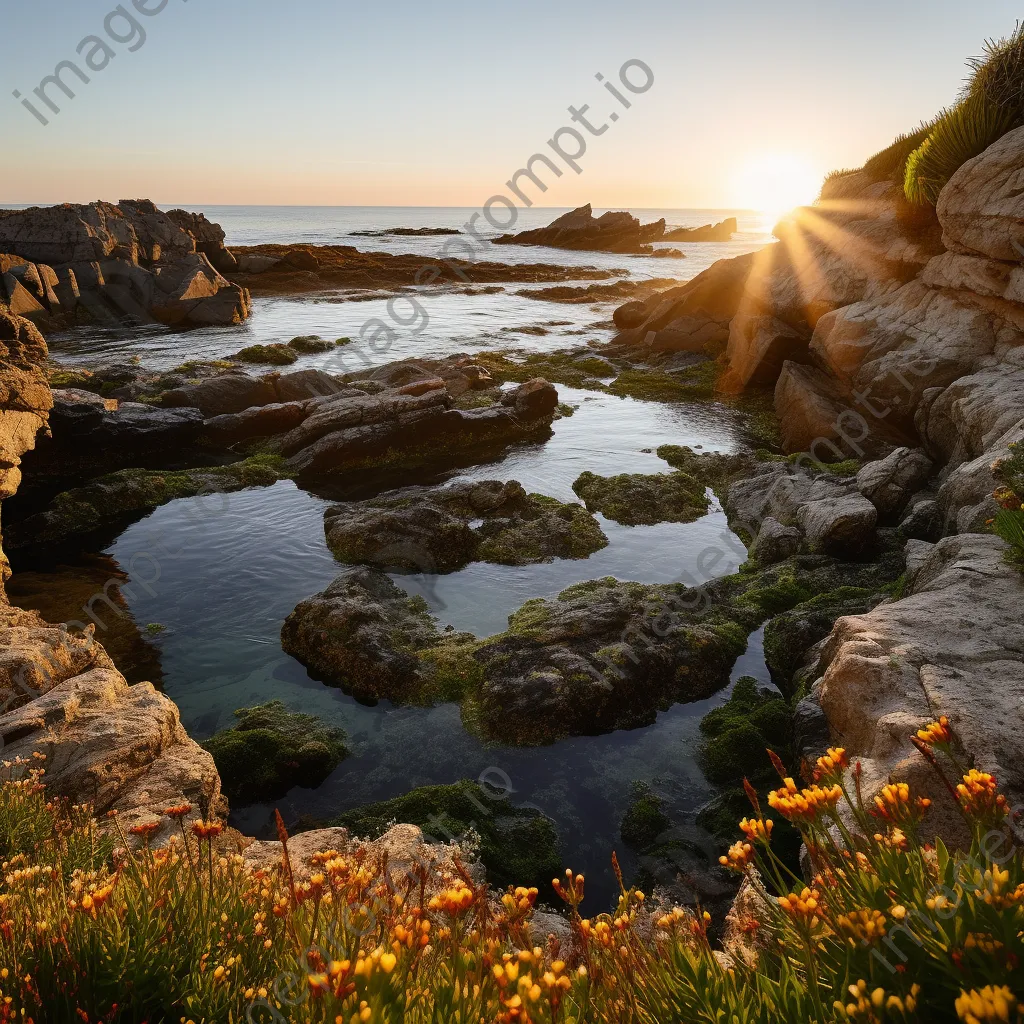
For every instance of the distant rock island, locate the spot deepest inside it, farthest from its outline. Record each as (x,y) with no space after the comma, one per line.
(721,232)
(405,232)
(611,232)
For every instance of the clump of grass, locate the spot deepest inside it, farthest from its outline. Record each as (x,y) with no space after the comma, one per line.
(991,105)
(888,925)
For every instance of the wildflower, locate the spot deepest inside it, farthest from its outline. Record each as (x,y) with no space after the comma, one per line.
(207,829)
(757,829)
(802,907)
(145,830)
(861,925)
(453,901)
(805,805)
(894,804)
(978,795)
(178,811)
(739,858)
(989,1004)
(937,733)
(831,766)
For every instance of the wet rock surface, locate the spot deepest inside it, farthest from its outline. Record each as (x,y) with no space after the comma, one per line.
(438,530)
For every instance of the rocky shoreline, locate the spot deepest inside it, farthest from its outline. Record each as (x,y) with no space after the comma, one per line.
(892,346)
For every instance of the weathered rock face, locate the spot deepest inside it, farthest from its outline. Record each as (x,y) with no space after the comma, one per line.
(438,530)
(890,483)
(696,313)
(120,747)
(952,647)
(107,261)
(580,229)
(981,209)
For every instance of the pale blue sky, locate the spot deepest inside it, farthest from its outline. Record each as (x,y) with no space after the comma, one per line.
(402,103)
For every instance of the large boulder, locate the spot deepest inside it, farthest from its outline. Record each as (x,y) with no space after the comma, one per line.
(951,647)
(118,747)
(707,303)
(842,525)
(412,425)
(890,483)
(981,208)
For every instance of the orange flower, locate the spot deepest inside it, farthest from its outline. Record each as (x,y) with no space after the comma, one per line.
(937,733)
(894,804)
(802,907)
(978,795)
(739,858)
(804,804)
(861,925)
(832,764)
(146,829)
(207,829)
(178,811)
(757,829)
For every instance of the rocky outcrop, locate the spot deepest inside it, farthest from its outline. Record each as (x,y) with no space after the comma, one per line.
(633,499)
(693,317)
(981,209)
(416,424)
(25,403)
(603,655)
(951,646)
(439,530)
(580,229)
(114,500)
(104,261)
(120,747)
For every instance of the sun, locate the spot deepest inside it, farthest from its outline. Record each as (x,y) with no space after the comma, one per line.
(774,183)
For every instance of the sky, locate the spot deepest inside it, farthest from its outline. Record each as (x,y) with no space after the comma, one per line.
(333,102)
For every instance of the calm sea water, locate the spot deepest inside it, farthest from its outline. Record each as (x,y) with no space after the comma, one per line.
(222,579)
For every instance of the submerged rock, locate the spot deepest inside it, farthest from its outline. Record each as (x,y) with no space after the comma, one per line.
(437,530)
(114,499)
(272,749)
(517,846)
(635,499)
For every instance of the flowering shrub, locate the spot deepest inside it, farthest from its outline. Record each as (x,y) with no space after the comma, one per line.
(885,928)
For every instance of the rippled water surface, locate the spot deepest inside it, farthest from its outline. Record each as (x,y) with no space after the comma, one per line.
(221,573)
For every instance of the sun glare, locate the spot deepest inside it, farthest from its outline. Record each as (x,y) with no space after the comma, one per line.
(774,183)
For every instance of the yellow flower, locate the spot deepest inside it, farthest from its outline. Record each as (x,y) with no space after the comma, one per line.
(757,829)
(936,733)
(832,764)
(739,858)
(978,795)
(989,1004)
(861,925)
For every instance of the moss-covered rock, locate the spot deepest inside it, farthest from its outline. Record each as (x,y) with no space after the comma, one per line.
(439,530)
(272,749)
(580,369)
(692,384)
(645,819)
(518,846)
(275,354)
(122,496)
(634,499)
(737,734)
(311,343)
